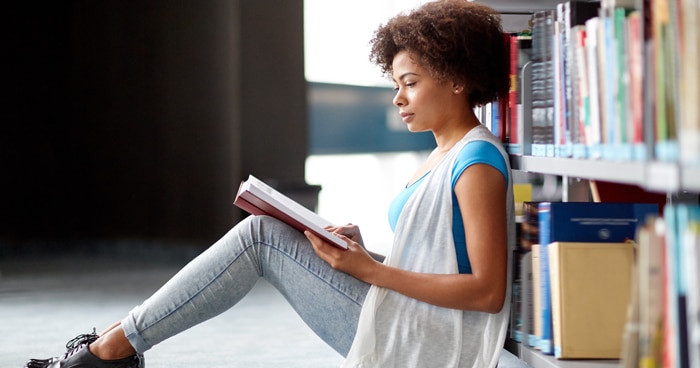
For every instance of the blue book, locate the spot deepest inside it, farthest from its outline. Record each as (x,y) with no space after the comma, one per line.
(581,222)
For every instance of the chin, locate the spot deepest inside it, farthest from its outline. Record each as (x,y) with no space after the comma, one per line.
(415,129)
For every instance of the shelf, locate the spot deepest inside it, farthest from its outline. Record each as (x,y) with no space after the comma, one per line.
(656,176)
(538,360)
(510,6)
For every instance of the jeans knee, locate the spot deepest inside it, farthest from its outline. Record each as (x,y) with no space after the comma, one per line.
(258,228)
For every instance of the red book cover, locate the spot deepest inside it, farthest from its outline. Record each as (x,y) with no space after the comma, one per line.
(257,198)
(513,92)
(503,102)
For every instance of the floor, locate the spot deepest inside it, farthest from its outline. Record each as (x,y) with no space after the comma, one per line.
(46,301)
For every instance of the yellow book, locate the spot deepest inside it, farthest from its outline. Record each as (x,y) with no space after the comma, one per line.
(590,285)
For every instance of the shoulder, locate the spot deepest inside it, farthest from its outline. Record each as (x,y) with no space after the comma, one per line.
(479,152)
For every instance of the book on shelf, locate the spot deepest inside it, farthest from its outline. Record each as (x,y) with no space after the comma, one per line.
(691,251)
(678,219)
(520,54)
(630,336)
(529,227)
(503,102)
(534,338)
(525,321)
(542,84)
(257,198)
(559,82)
(689,139)
(581,222)
(650,278)
(573,16)
(634,48)
(590,293)
(592,122)
(664,79)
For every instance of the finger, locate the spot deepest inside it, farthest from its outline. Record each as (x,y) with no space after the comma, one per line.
(317,243)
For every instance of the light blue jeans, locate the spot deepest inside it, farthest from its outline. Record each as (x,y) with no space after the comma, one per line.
(329,301)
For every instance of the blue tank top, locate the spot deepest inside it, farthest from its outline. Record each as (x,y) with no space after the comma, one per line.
(475,152)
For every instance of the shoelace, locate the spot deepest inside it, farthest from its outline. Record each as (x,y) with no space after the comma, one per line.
(79,341)
(72,347)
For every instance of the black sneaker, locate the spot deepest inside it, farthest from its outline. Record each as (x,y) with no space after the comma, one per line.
(79,356)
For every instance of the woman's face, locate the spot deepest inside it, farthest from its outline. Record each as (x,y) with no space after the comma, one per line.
(423,102)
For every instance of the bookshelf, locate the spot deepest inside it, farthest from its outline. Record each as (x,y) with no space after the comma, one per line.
(650,165)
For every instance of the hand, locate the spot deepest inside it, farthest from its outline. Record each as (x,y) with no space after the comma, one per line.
(349,230)
(354,261)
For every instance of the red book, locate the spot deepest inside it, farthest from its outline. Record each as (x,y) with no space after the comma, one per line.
(503,102)
(258,198)
(513,92)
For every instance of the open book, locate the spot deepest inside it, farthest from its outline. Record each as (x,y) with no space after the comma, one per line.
(258,198)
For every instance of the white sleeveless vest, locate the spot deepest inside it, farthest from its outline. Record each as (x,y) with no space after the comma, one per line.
(397,331)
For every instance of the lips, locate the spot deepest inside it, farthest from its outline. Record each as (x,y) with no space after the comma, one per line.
(407,117)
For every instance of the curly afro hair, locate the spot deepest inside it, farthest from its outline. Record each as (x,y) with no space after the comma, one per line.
(455,40)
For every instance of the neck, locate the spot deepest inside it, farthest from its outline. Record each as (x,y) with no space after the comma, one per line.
(448,137)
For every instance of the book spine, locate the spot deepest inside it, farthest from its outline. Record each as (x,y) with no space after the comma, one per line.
(513,91)
(583,96)
(546,343)
(691,253)
(559,83)
(593,67)
(542,103)
(636,96)
(689,135)
(556,293)
(622,147)
(526,302)
(534,339)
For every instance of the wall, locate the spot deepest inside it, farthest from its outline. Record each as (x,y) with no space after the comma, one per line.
(137,120)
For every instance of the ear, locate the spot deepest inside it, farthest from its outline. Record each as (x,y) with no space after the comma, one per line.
(457,88)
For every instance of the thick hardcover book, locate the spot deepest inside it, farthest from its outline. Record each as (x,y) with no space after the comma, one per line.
(520,54)
(590,293)
(258,198)
(542,84)
(581,222)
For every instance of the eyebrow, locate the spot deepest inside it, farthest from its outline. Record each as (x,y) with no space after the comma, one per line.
(404,75)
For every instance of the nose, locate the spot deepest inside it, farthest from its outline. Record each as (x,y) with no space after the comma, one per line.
(399,99)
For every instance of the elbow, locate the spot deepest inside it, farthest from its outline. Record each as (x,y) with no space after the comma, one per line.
(494,301)
(494,304)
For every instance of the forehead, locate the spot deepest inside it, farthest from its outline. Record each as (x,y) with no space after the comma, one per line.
(403,63)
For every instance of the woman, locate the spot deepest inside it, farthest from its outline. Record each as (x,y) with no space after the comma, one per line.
(441,297)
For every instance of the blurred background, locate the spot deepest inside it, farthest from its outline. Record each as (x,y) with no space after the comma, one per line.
(137,120)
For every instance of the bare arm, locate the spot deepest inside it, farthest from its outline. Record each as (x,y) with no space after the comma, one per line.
(480,191)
